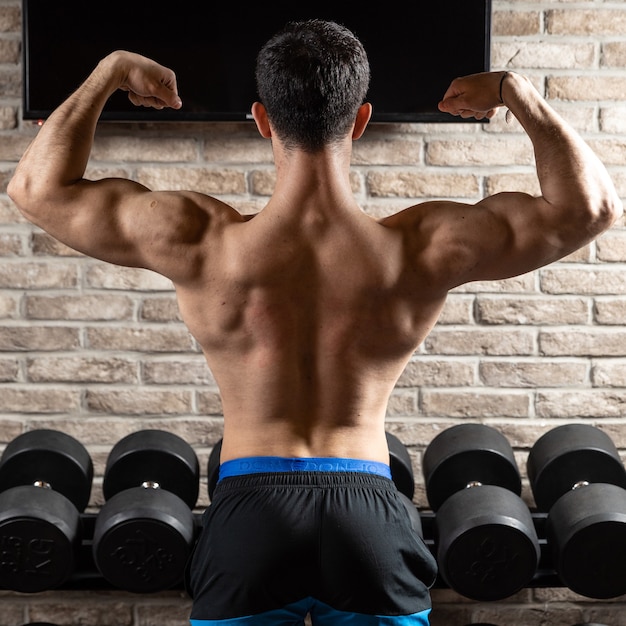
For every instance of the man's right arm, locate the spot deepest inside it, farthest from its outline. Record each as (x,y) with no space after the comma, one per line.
(509,234)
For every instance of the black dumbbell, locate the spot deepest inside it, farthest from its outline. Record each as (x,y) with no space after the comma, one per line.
(45,483)
(213,467)
(487,545)
(404,478)
(577,477)
(144,532)
(399,464)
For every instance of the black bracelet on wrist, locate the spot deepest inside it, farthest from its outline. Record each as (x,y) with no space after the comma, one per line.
(501,82)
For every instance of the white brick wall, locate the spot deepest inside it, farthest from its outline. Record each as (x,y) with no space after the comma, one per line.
(100,351)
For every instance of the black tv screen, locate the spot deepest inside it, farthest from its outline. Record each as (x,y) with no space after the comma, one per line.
(415,49)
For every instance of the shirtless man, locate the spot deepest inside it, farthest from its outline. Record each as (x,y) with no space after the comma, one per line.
(308,312)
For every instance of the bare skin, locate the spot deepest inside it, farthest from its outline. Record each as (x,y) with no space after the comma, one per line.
(309,311)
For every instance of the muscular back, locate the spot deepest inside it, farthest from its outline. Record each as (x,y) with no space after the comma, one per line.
(307,318)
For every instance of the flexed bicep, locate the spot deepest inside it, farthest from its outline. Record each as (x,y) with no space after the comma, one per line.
(127,224)
(108,219)
(86,216)
(504,235)
(122,222)
(578,200)
(509,234)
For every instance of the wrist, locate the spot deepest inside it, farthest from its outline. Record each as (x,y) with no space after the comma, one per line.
(503,79)
(113,69)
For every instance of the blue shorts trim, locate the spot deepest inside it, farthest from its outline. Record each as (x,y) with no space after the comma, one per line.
(321,615)
(265,464)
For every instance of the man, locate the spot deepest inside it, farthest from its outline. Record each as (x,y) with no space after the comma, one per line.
(308,312)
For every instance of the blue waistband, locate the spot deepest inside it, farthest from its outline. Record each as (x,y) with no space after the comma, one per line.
(263,464)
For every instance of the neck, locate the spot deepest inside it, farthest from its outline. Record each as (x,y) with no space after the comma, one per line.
(315,177)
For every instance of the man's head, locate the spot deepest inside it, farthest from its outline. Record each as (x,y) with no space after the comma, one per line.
(312,77)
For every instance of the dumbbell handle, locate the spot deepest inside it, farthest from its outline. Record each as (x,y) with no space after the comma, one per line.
(580,483)
(150,484)
(42,484)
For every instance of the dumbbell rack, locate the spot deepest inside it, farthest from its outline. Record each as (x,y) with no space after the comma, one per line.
(87,577)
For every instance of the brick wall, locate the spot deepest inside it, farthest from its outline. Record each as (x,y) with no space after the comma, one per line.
(99,351)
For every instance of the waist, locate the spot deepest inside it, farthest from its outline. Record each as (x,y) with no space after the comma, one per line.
(272,464)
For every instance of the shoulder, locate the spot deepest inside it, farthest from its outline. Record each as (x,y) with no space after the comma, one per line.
(430,214)
(441,240)
(194,207)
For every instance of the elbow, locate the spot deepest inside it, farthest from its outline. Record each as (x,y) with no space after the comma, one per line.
(600,207)
(17,190)
(617,209)
(24,195)
(611,206)
(608,211)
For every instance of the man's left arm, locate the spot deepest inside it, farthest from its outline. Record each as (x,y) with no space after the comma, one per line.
(48,185)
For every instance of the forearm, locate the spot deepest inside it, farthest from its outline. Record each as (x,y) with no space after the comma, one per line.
(49,176)
(571,176)
(58,156)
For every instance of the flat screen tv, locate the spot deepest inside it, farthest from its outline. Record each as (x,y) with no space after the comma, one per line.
(415,49)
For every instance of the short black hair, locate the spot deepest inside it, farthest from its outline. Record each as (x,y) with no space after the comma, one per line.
(312,77)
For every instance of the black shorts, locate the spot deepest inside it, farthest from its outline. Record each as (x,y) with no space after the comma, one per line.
(321,539)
